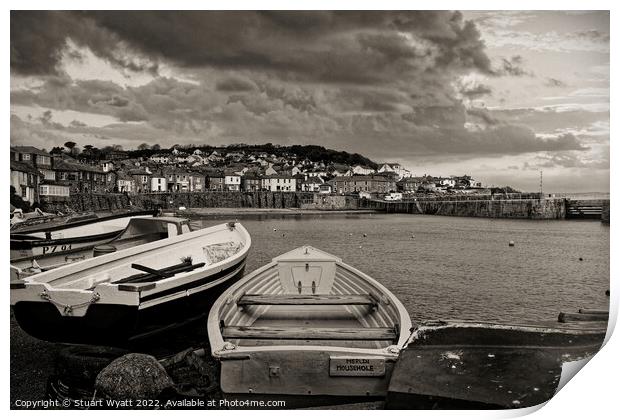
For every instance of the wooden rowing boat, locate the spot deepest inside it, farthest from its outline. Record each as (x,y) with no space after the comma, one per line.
(140,230)
(134,292)
(19,218)
(459,364)
(307,324)
(60,236)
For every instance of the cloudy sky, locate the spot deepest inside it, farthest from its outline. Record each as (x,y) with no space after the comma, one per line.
(499,95)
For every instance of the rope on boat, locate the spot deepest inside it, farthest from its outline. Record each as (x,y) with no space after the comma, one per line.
(68,309)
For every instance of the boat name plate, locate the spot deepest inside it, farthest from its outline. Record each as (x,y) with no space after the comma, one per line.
(356,366)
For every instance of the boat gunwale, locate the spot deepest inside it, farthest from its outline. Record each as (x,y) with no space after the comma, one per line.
(423,328)
(218,343)
(78,266)
(87,241)
(119,215)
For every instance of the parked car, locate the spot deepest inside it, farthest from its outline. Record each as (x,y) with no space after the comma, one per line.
(393,197)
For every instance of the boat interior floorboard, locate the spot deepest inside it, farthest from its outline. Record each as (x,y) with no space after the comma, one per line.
(328,317)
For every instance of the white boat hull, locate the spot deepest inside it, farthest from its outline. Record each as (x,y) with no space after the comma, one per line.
(95,302)
(341,339)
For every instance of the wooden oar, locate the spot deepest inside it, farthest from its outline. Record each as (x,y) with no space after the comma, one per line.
(150,270)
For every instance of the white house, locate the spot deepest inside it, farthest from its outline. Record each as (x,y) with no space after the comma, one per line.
(232,181)
(24,179)
(396,168)
(474,184)
(50,189)
(314,173)
(125,184)
(279,182)
(182,159)
(270,170)
(362,170)
(159,183)
(162,159)
(325,189)
(312,184)
(447,182)
(107,166)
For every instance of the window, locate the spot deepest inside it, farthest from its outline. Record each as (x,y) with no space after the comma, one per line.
(43,160)
(25,156)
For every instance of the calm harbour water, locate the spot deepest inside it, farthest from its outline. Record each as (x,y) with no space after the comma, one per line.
(456,268)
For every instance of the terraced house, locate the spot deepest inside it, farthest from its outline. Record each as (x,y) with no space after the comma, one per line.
(80,178)
(142,179)
(39,159)
(279,182)
(362,183)
(25,179)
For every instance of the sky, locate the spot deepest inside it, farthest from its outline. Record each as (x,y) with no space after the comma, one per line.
(499,95)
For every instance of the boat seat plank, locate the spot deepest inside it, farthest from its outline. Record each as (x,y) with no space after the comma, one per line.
(161,273)
(249,299)
(309,333)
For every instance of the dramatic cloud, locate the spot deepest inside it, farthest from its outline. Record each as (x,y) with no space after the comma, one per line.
(39,38)
(235,85)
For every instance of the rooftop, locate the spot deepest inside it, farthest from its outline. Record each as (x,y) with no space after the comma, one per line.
(31,149)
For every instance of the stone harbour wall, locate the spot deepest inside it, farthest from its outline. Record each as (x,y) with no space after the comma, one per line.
(499,209)
(332,202)
(491,208)
(211,199)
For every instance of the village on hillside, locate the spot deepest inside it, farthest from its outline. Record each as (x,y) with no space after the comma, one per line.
(39,176)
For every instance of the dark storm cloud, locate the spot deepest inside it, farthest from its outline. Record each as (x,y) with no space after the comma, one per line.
(233,84)
(77,124)
(438,116)
(311,45)
(93,96)
(27,133)
(483,115)
(39,38)
(476,91)
(385,133)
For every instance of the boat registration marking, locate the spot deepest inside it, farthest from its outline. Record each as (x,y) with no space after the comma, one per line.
(55,248)
(356,366)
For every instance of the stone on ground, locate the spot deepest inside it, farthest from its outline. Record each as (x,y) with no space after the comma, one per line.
(133,376)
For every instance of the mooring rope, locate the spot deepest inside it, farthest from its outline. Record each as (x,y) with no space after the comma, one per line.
(68,309)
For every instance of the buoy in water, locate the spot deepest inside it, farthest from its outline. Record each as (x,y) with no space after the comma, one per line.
(511,243)
(360,247)
(580,259)
(365,235)
(275,230)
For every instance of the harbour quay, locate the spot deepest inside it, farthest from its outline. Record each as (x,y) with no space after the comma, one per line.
(505,206)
